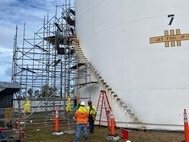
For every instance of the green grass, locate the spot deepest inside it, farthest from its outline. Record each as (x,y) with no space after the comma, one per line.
(41,133)
(44,134)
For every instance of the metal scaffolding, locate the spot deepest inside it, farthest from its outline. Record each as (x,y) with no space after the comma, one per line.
(42,65)
(45,59)
(50,67)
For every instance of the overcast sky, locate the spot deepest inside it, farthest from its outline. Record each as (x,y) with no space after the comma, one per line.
(18,12)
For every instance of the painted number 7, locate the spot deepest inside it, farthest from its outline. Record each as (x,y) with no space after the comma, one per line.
(172,17)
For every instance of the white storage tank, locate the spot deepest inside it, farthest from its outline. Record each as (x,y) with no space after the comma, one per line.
(141,49)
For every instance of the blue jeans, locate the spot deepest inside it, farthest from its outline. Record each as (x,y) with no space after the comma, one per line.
(79,128)
(91,125)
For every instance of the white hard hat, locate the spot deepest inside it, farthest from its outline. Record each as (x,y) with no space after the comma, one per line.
(82,103)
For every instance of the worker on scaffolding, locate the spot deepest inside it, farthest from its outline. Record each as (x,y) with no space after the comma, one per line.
(92,116)
(81,116)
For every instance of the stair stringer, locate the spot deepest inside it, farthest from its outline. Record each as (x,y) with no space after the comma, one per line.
(133,120)
(114,98)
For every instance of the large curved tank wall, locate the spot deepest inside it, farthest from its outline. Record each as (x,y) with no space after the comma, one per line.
(141,48)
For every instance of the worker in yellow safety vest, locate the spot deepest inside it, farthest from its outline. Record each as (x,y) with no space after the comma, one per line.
(92,116)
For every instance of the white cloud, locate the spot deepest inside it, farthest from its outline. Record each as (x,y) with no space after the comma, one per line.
(5,59)
(5,51)
(7,35)
(18,12)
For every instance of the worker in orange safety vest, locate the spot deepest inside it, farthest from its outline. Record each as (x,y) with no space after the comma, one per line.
(81,116)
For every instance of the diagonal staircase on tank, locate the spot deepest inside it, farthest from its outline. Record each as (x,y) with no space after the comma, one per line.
(82,59)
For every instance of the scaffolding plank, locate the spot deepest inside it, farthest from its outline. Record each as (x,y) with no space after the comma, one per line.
(58,27)
(69,20)
(77,66)
(72,11)
(56,62)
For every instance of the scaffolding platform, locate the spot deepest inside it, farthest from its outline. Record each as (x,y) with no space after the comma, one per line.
(87,83)
(56,40)
(62,51)
(74,39)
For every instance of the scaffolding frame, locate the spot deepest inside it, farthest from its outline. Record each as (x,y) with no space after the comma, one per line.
(42,64)
(50,67)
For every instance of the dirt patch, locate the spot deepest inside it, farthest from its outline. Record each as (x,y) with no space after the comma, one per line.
(155,136)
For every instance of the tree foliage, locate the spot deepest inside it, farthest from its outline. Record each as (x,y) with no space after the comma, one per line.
(47,91)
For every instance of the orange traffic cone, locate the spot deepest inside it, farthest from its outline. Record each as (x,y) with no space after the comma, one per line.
(57,132)
(112,135)
(186,131)
(112,124)
(16,123)
(56,121)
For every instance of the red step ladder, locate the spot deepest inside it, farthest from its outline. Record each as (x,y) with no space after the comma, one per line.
(103,103)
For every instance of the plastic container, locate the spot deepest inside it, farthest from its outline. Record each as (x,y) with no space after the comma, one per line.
(124,134)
